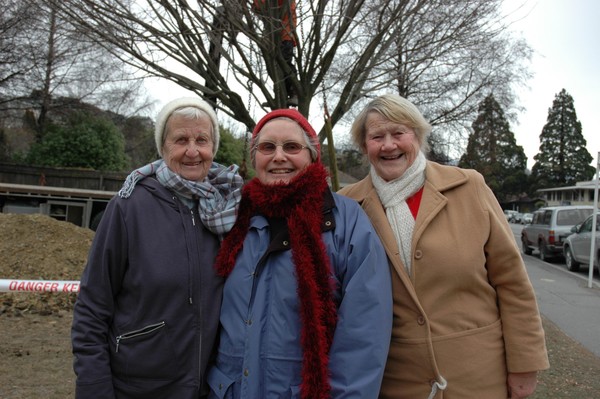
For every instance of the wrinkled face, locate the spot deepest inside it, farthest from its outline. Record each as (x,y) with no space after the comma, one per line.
(188,146)
(281,166)
(391,147)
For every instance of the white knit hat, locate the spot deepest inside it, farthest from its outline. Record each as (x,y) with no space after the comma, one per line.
(170,107)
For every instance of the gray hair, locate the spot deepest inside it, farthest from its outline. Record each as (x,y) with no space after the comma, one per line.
(396,109)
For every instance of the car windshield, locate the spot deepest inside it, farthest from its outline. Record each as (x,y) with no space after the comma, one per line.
(571,217)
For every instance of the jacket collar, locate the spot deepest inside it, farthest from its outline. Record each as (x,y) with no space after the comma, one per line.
(438,180)
(158,190)
(280,240)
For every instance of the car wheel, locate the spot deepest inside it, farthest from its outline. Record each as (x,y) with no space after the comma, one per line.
(526,249)
(544,255)
(572,264)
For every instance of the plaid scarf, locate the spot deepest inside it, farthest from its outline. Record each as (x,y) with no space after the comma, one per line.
(218,195)
(300,203)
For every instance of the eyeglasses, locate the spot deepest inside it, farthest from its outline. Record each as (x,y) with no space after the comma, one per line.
(289,147)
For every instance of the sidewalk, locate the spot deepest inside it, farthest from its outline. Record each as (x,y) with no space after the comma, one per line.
(565,299)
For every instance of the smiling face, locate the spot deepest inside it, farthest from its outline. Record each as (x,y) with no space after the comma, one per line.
(391,147)
(188,145)
(281,167)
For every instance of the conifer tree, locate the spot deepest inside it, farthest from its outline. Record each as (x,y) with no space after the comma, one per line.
(493,152)
(563,158)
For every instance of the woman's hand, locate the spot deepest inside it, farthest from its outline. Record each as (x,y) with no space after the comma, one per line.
(521,385)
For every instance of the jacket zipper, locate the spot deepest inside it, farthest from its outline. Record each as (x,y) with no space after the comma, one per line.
(136,333)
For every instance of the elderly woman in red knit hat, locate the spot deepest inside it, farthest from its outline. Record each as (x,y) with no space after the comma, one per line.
(306,310)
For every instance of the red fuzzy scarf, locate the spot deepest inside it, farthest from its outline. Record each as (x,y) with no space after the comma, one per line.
(300,203)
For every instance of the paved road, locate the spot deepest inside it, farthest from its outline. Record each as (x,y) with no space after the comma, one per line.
(565,299)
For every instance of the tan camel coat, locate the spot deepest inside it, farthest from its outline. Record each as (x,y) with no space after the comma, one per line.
(467,312)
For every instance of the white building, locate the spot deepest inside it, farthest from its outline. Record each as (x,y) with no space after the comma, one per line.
(581,193)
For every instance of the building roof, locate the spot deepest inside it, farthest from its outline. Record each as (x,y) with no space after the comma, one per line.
(584,185)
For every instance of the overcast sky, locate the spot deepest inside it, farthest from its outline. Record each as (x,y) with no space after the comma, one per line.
(565,35)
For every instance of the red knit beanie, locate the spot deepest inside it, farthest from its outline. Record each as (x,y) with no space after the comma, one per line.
(296,117)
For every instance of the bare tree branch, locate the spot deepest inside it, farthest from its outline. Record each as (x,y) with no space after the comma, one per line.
(445,55)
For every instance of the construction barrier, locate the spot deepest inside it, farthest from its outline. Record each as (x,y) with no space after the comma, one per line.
(38,286)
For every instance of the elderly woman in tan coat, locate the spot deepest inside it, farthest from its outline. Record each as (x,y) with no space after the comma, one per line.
(466,322)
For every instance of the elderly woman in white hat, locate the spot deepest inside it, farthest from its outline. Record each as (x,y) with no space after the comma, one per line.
(145,321)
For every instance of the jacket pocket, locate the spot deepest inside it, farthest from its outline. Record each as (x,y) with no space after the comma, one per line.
(140,333)
(145,353)
(221,386)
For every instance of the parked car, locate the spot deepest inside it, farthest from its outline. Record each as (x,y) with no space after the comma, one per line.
(509,214)
(576,248)
(527,218)
(516,218)
(549,227)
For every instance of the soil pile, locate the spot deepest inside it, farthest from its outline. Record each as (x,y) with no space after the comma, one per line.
(38,247)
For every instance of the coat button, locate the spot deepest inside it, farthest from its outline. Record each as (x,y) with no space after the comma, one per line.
(328,223)
(246,373)
(418,254)
(220,386)
(420,320)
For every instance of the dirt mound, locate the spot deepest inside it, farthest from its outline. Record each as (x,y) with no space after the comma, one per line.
(38,247)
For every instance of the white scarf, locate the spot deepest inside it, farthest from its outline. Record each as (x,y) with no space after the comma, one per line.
(393,195)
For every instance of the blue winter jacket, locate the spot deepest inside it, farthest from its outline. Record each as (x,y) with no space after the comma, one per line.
(260,354)
(146,318)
